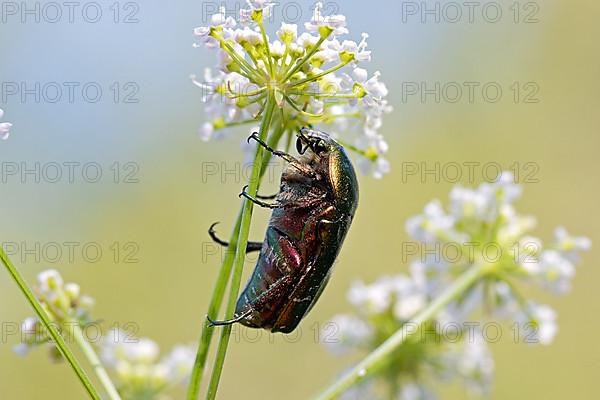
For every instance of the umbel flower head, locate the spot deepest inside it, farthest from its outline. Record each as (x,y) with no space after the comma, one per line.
(316,78)
(385,306)
(4,127)
(485,228)
(475,221)
(63,302)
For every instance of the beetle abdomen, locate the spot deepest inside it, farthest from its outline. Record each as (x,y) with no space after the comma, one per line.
(267,290)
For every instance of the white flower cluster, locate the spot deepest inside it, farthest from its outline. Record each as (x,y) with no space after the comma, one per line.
(135,362)
(485,218)
(475,220)
(4,127)
(139,371)
(63,302)
(315,77)
(381,309)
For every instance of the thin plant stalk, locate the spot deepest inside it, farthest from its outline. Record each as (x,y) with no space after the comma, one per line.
(50,326)
(241,250)
(213,310)
(370,363)
(94,361)
(219,292)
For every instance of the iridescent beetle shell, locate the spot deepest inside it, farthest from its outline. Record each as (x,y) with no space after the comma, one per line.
(311,216)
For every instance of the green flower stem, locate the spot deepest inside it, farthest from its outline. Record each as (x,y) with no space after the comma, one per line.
(370,363)
(267,47)
(213,311)
(241,249)
(319,75)
(236,95)
(219,291)
(304,59)
(235,56)
(94,361)
(52,330)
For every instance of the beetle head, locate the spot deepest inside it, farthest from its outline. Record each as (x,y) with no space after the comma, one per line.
(318,142)
(330,158)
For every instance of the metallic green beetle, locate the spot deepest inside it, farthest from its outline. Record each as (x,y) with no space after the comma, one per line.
(311,216)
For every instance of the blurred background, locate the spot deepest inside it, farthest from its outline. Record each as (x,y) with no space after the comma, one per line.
(134,117)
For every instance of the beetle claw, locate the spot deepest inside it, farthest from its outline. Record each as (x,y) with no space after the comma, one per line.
(250,247)
(243,192)
(235,319)
(254,136)
(213,235)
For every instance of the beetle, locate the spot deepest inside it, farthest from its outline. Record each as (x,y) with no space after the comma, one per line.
(311,216)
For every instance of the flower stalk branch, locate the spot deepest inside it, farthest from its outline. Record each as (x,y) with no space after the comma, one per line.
(92,357)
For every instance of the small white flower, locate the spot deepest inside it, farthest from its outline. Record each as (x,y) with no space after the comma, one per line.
(476,364)
(206,131)
(325,25)
(179,362)
(514,226)
(50,281)
(432,225)
(374,162)
(351,333)
(218,21)
(277,49)
(256,9)
(221,19)
(373,298)
(120,346)
(4,127)
(360,83)
(430,272)
(288,32)
(247,35)
(569,245)
(73,290)
(349,50)
(408,306)
(468,203)
(528,253)
(22,349)
(139,372)
(30,325)
(538,324)
(556,271)
(145,351)
(509,190)
(306,40)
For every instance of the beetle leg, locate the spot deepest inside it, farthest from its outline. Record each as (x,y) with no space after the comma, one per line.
(287,157)
(250,247)
(271,197)
(257,201)
(229,321)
